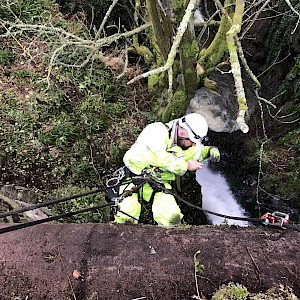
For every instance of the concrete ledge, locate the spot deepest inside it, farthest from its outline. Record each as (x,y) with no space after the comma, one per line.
(136,261)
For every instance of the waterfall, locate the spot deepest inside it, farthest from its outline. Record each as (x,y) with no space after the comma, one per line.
(217,197)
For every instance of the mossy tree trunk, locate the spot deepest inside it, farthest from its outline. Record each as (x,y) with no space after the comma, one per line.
(184,81)
(213,55)
(181,72)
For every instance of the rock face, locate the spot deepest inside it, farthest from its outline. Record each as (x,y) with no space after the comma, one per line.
(219,106)
(143,262)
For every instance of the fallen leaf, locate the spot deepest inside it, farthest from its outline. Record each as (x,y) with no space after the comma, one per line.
(76,274)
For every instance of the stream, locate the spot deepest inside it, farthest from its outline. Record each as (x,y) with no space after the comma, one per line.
(217,197)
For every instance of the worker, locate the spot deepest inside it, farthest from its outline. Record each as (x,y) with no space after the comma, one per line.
(166,150)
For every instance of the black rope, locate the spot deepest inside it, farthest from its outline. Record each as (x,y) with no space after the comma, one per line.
(43,204)
(254,220)
(53,218)
(125,194)
(65,215)
(128,215)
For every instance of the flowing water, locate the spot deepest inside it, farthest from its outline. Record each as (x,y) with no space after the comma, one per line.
(217,197)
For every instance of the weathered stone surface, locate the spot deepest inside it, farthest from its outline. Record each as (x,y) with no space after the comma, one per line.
(220,107)
(136,261)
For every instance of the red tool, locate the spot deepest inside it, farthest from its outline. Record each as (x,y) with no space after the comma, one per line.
(276,218)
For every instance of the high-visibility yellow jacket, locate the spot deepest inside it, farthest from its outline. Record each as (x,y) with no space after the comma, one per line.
(155,147)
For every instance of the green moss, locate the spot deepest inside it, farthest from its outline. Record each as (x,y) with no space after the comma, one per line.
(176,107)
(156,83)
(231,291)
(218,47)
(290,90)
(189,50)
(179,7)
(236,291)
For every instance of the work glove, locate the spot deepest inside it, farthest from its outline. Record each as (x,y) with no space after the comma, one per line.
(210,153)
(214,154)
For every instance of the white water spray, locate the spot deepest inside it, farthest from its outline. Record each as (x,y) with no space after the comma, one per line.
(217,197)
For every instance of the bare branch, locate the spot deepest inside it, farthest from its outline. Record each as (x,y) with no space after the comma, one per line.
(105,19)
(274,63)
(67,39)
(245,64)
(265,100)
(294,10)
(253,19)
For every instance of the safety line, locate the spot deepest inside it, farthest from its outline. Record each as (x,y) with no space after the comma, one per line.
(255,220)
(43,204)
(125,194)
(53,218)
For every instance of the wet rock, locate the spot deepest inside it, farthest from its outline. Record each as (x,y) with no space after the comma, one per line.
(220,106)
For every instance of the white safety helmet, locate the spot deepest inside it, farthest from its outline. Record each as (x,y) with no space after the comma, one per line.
(195,125)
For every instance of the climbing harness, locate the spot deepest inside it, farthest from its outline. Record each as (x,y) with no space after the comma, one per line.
(114,182)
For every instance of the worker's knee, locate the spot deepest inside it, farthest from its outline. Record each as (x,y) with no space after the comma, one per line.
(165,210)
(132,207)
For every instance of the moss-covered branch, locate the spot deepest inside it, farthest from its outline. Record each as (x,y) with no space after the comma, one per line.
(213,55)
(162,28)
(235,64)
(172,54)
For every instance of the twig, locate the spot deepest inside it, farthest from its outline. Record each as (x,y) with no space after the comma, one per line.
(65,269)
(17,41)
(294,10)
(257,269)
(255,18)
(263,99)
(105,18)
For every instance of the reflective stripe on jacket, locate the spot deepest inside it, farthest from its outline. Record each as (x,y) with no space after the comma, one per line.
(154,147)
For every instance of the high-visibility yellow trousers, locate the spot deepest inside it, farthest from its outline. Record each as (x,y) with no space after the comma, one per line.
(164,208)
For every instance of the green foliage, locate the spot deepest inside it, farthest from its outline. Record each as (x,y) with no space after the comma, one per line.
(231,291)
(61,131)
(236,291)
(66,133)
(199,267)
(30,11)
(97,216)
(290,88)
(292,138)
(23,74)
(283,176)
(279,37)
(6,57)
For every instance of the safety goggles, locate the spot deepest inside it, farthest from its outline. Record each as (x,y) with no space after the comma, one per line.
(204,139)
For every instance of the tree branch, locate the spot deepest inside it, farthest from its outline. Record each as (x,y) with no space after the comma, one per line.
(235,65)
(105,19)
(294,10)
(171,56)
